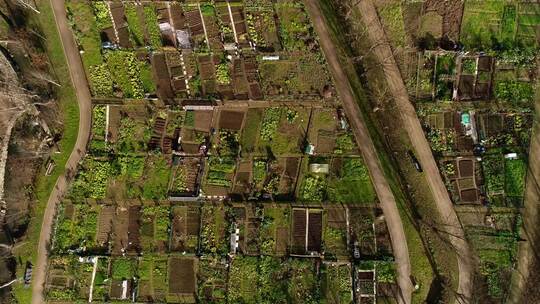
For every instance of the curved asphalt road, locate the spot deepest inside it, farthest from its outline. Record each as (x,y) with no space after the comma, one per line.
(80,84)
(361,134)
(412,125)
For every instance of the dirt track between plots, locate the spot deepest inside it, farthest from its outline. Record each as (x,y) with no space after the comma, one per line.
(78,79)
(412,125)
(386,197)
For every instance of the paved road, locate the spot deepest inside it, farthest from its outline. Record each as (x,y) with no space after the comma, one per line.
(412,125)
(386,197)
(78,78)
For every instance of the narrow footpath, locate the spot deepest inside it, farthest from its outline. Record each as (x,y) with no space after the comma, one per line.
(352,110)
(78,78)
(412,125)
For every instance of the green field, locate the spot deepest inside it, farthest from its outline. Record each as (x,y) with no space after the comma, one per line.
(496,24)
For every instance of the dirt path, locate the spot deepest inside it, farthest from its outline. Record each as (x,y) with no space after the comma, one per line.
(78,79)
(412,125)
(386,197)
(529,250)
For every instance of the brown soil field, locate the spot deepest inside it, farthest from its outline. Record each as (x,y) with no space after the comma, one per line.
(451,11)
(134,229)
(485,63)
(291,166)
(185,228)
(464,144)
(466,183)
(326,143)
(114,122)
(282,240)
(69,210)
(116,289)
(286,185)
(203,120)
(105,222)
(144,293)
(194,21)
(336,217)
(231,120)
(206,69)
(242,182)
(315,231)
(190,148)
(430,22)
(182,278)
(470,195)
(382,236)
(252,237)
(216,190)
(361,229)
(192,168)
(365,275)
(161,73)
(120,230)
(299,229)
(465,87)
(466,168)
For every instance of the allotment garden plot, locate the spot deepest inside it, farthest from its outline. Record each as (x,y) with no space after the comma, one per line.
(221,167)
(172,50)
(476,108)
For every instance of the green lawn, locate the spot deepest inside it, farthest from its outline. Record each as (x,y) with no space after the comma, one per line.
(481,21)
(392,19)
(250,133)
(337,284)
(87,31)
(156,178)
(514,177)
(488,23)
(353,185)
(134,24)
(243,276)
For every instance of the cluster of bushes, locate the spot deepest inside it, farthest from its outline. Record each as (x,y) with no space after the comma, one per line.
(270,123)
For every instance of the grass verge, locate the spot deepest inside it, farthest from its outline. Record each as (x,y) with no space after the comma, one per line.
(420,264)
(69,109)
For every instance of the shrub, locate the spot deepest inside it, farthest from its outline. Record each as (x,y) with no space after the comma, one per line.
(259,170)
(223,75)
(516,92)
(93,179)
(344,143)
(123,269)
(103,18)
(125,70)
(101,81)
(313,189)
(156,179)
(270,123)
(98,121)
(152,22)
(134,24)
